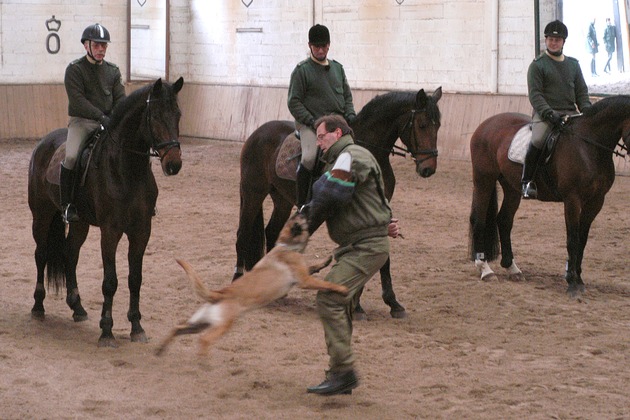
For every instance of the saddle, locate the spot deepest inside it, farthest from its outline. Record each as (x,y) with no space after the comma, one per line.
(53,172)
(289,157)
(520,143)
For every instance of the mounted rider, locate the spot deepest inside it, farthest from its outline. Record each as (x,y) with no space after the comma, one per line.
(318,87)
(94,86)
(556,89)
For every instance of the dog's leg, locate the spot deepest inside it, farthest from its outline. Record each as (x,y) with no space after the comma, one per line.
(180,330)
(310,282)
(316,268)
(207,339)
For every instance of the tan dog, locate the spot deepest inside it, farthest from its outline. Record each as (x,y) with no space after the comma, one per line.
(270,279)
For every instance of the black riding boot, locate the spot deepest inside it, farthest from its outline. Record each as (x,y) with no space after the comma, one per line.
(303,185)
(66,188)
(529,167)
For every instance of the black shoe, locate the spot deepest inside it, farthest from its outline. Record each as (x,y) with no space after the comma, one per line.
(336,384)
(529,190)
(70,214)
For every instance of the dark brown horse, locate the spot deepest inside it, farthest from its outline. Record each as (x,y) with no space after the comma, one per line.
(579,173)
(118,195)
(413,117)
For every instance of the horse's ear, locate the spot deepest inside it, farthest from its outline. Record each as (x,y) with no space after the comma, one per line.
(177,86)
(421,99)
(157,86)
(437,94)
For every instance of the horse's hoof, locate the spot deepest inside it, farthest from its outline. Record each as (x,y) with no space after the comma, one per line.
(80,315)
(139,337)
(107,342)
(399,314)
(516,277)
(360,316)
(575,292)
(79,318)
(38,315)
(489,277)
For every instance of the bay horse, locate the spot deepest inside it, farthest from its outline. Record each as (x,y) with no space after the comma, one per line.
(118,194)
(579,173)
(414,117)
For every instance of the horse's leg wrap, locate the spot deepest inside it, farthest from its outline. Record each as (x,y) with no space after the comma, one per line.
(484,269)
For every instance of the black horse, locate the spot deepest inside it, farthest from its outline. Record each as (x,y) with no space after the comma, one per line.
(413,117)
(118,194)
(579,173)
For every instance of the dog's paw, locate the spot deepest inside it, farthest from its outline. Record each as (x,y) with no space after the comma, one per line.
(317,268)
(343,290)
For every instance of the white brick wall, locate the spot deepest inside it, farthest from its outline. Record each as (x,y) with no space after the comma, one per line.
(382,45)
(23,32)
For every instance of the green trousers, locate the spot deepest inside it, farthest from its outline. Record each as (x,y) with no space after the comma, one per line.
(354,266)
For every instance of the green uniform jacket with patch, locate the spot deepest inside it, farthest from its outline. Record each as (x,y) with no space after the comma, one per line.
(93,89)
(556,85)
(368,214)
(316,90)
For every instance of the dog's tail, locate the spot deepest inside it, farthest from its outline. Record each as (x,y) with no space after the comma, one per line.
(200,288)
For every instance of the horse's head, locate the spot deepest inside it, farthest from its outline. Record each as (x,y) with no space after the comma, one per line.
(161,124)
(420,132)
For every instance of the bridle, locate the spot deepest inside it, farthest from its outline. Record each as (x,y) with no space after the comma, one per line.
(404,151)
(430,153)
(164,146)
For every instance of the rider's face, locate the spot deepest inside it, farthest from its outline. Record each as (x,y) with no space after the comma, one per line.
(96,49)
(554,43)
(319,51)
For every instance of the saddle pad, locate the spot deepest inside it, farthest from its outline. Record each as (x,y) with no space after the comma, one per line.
(54,166)
(519,145)
(288,157)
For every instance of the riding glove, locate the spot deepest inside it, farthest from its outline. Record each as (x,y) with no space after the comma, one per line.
(554,117)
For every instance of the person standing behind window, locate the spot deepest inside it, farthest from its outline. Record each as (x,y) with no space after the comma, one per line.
(610,39)
(591,46)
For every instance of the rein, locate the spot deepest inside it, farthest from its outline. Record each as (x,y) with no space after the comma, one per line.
(622,146)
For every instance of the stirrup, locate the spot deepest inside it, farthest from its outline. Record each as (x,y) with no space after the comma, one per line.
(529,190)
(70,214)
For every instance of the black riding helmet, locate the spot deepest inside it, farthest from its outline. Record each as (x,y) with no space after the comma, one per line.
(556,28)
(96,33)
(318,35)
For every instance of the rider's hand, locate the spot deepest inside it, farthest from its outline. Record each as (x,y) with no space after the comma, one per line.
(555,118)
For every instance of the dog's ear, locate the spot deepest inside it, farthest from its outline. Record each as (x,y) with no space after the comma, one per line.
(296,230)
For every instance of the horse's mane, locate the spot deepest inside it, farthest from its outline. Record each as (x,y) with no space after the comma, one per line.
(613,102)
(387,106)
(123,107)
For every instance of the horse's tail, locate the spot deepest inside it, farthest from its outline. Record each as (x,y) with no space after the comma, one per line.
(55,254)
(490,234)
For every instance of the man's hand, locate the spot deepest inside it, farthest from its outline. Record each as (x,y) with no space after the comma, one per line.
(555,118)
(393,230)
(104,120)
